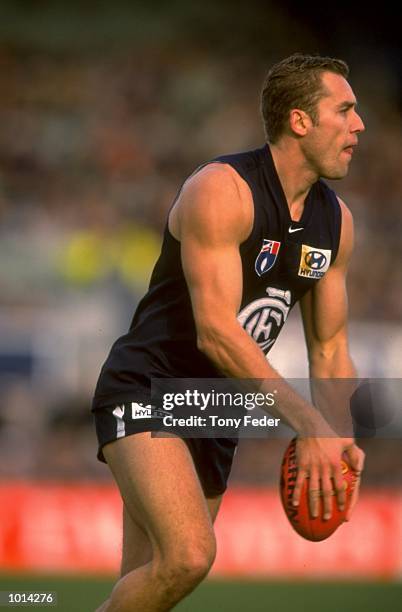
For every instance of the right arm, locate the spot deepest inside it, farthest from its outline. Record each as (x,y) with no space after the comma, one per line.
(212,217)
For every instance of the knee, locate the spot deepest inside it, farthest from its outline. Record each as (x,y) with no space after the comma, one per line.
(195,561)
(185,567)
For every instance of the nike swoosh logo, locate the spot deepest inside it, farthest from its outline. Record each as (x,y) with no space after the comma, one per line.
(295,229)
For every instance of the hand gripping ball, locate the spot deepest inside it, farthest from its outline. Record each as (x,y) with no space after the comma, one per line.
(314,529)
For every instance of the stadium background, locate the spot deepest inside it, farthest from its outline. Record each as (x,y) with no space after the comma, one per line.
(104,109)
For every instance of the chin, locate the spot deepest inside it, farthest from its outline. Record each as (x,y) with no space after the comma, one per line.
(334,174)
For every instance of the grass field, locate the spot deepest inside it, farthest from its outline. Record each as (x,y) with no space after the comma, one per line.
(83,594)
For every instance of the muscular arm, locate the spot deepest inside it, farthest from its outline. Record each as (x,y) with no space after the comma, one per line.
(213,216)
(332,373)
(324,312)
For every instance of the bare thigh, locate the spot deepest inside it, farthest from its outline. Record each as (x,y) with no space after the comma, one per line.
(164,505)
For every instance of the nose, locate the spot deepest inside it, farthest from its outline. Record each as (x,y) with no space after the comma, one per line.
(358,125)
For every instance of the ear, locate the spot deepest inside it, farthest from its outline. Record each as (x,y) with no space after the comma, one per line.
(299,122)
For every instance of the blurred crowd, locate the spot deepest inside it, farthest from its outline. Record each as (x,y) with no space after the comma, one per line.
(93,147)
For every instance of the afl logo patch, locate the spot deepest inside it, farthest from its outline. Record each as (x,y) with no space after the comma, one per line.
(267,256)
(314,262)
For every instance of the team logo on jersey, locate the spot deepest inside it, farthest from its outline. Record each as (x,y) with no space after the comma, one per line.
(263,318)
(267,256)
(314,262)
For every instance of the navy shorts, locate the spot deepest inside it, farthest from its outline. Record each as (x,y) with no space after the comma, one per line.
(213,457)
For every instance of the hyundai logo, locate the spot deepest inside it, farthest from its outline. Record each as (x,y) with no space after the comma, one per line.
(315,260)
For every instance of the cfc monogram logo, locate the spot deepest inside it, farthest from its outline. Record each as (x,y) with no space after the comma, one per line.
(263,318)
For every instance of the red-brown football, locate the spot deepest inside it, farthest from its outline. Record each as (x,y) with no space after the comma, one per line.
(314,529)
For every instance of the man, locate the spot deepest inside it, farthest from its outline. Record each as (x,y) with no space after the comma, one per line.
(244,228)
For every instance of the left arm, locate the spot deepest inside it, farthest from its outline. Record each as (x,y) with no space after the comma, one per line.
(324,312)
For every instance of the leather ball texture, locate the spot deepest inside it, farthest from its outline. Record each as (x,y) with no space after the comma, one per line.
(314,529)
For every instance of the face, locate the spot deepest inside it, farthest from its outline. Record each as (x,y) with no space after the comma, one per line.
(328,146)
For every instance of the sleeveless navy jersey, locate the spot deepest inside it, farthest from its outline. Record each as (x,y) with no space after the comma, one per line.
(281,260)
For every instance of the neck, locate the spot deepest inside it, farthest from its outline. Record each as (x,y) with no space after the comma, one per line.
(295,176)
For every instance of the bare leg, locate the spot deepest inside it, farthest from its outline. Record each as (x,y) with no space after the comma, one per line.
(168,539)
(137,549)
